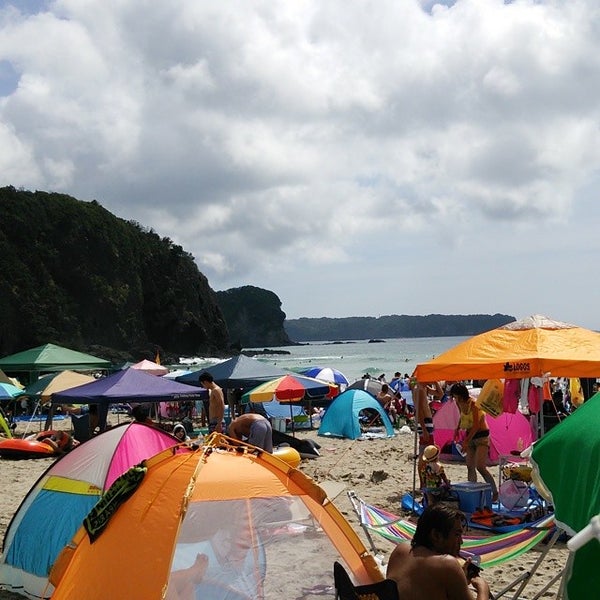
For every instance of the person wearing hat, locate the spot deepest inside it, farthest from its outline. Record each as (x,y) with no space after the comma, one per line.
(434,482)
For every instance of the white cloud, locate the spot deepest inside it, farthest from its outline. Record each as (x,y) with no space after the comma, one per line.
(436,142)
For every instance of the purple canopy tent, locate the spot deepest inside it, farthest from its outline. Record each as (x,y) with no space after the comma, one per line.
(130,385)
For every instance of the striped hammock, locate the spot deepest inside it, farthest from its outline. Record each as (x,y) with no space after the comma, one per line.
(492,550)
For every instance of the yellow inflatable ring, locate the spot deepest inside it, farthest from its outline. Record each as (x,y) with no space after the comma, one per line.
(288,454)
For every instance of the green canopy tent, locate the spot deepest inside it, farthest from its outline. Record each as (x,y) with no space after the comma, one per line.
(49,358)
(565,463)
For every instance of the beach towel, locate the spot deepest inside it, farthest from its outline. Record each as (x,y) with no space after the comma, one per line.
(119,491)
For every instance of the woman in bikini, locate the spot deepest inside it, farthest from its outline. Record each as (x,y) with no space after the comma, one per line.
(477,441)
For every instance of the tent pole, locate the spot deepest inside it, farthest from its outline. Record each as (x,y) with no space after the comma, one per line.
(355,501)
(415,447)
(292,417)
(50,417)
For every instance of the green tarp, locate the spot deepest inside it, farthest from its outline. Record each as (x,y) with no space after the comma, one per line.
(50,357)
(566,459)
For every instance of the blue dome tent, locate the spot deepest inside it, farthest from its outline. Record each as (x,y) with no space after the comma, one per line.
(342,418)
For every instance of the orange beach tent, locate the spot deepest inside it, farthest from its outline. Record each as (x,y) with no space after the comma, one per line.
(533,347)
(222,522)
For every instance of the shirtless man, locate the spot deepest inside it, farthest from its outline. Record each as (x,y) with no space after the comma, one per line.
(255,428)
(428,567)
(216,403)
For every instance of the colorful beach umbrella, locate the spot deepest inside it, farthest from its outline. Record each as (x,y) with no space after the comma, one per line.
(327,374)
(9,391)
(289,388)
(565,462)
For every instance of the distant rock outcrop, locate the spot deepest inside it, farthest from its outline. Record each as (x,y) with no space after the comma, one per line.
(254,317)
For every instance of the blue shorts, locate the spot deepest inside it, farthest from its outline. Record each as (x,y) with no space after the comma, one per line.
(261,435)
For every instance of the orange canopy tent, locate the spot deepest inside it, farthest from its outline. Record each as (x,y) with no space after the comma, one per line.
(225,522)
(533,347)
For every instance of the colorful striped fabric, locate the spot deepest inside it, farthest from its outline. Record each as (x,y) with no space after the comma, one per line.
(492,550)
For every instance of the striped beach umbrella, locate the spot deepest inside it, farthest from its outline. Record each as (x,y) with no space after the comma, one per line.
(327,374)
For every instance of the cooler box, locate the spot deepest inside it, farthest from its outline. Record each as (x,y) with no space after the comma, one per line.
(472,496)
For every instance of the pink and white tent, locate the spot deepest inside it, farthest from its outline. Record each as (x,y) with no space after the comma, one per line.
(150,367)
(509,432)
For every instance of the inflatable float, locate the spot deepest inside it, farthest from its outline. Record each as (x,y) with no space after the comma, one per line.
(305,447)
(288,454)
(45,444)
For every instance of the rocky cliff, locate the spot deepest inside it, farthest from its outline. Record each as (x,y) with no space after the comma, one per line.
(254,317)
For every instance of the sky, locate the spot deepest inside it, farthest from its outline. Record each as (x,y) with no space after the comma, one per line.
(356,158)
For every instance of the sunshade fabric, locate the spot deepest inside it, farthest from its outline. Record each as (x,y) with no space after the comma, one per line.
(237,372)
(533,347)
(150,367)
(326,374)
(232,510)
(57,382)
(289,388)
(130,385)
(51,357)
(566,461)
(5,379)
(8,391)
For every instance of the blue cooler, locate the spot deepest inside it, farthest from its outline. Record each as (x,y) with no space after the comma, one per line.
(472,496)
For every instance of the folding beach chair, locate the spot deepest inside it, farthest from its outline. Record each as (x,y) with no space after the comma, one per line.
(81,427)
(346,590)
(492,550)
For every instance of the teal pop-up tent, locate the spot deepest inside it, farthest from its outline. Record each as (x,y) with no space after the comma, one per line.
(342,418)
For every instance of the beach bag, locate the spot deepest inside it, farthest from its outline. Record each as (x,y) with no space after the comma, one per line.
(490,397)
(514,494)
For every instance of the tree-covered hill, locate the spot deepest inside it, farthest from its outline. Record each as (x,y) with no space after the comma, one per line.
(391,326)
(74,274)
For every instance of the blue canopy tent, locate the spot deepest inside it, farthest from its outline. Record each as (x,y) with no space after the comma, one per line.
(237,372)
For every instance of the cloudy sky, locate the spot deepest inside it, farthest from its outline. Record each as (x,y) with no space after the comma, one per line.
(356,158)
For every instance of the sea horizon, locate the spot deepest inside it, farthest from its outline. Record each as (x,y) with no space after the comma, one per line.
(354,358)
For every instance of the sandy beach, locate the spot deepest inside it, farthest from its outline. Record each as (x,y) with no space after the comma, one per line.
(379,471)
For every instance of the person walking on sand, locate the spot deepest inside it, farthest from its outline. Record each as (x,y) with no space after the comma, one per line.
(477,441)
(429,567)
(216,403)
(255,428)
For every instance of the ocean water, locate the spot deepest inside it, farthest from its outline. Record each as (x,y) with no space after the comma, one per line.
(354,358)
